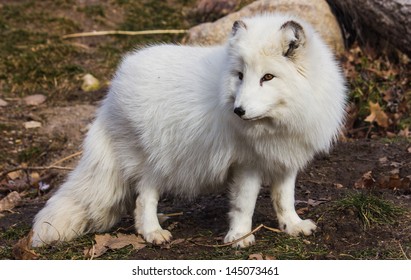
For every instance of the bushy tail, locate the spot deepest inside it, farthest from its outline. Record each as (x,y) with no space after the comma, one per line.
(92,199)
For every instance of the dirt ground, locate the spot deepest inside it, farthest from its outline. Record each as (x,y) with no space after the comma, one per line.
(359,195)
(320,188)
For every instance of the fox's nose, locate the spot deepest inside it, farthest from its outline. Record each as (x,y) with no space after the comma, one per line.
(239,111)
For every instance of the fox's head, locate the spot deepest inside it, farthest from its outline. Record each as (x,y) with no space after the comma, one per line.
(267,62)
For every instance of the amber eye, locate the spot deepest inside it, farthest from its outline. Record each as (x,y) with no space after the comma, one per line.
(240,76)
(267,77)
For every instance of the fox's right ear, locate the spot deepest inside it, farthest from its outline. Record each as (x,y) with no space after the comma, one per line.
(238,24)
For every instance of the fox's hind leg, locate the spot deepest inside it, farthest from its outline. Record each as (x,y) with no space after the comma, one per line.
(282,195)
(145,214)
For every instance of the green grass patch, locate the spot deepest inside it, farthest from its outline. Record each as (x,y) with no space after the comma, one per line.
(370,209)
(9,237)
(30,154)
(271,246)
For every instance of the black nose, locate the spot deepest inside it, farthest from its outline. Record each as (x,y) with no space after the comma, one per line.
(239,111)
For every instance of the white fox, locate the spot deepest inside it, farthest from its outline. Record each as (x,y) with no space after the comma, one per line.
(184,119)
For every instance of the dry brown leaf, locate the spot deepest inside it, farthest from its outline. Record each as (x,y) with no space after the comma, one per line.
(10,201)
(366,181)
(22,249)
(34,178)
(394,181)
(338,186)
(3,103)
(383,160)
(405,132)
(15,174)
(106,241)
(312,202)
(255,257)
(302,211)
(377,115)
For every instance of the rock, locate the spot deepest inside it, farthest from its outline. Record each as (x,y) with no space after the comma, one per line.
(207,10)
(3,103)
(90,83)
(317,13)
(34,100)
(32,124)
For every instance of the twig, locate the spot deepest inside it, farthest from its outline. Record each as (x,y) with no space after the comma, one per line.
(272,229)
(26,168)
(121,32)
(52,166)
(66,158)
(241,238)
(403,252)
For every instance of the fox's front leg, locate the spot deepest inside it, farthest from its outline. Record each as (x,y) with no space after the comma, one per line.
(243,195)
(282,195)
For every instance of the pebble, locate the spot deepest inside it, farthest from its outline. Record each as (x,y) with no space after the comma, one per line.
(34,100)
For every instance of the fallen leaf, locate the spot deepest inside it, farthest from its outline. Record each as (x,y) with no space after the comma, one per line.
(34,178)
(255,257)
(404,132)
(15,175)
(302,211)
(383,160)
(338,186)
(106,241)
(313,202)
(3,103)
(34,100)
(394,181)
(32,124)
(10,201)
(90,83)
(377,115)
(22,249)
(366,181)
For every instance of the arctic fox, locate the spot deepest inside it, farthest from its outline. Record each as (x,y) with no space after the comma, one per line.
(185,119)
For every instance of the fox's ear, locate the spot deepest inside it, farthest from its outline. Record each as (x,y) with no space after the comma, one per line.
(293,38)
(238,24)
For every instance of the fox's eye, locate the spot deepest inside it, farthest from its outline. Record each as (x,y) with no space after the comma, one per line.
(267,77)
(240,76)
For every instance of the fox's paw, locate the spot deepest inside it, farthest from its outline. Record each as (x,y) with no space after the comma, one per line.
(243,243)
(158,237)
(306,227)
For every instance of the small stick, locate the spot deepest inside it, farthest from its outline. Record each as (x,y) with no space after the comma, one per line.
(66,158)
(52,166)
(233,242)
(403,252)
(272,229)
(121,32)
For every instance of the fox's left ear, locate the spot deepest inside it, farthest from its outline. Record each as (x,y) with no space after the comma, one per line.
(293,38)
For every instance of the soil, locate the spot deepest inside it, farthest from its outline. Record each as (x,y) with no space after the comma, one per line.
(377,167)
(327,180)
